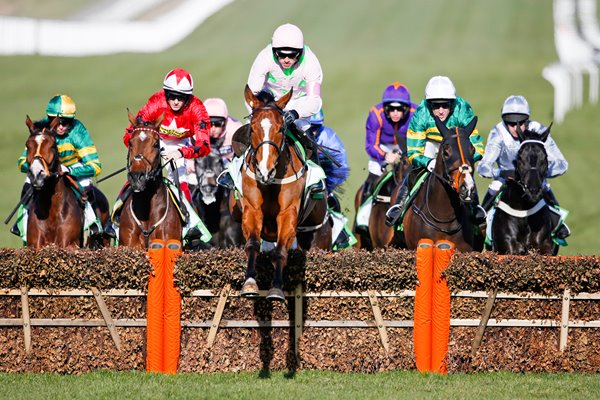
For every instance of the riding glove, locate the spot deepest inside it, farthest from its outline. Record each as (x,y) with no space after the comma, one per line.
(64,169)
(391,157)
(290,116)
(431,165)
(174,155)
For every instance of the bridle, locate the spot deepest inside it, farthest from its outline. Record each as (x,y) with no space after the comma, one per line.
(53,166)
(531,169)
(152,169)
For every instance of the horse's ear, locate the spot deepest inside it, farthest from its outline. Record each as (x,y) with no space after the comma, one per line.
(131,118)
(282,102)
(159,121)
(443,129)
(250,97)
(544,135)
(471,126)
(29,123)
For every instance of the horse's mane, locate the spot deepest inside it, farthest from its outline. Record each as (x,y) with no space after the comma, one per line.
(41,124)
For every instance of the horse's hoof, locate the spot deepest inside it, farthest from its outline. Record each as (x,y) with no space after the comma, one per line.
(275,294)
(250,288)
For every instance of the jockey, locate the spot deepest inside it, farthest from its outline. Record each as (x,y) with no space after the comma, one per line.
(423,137)
(77,154)
(286,64)
(502,147)
(334,175)
(184,118)
(386,128)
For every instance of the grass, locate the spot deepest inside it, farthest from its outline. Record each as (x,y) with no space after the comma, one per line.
(490,49)
(303,385)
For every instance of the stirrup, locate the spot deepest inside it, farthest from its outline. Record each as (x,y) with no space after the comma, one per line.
(15,230)
(225,180)
(109,230)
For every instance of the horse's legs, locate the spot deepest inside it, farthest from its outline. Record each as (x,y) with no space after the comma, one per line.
(252,225)
(286,233)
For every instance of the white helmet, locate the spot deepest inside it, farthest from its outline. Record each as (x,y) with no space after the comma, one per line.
(515,105)
(289,36)
(179,80)
(440,87)
(216,107)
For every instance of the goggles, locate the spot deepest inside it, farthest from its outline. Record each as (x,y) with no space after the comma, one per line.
(66,122)
(389,108)
(513,124)
(289,53)
(435,104)
(217,122)
(176,96)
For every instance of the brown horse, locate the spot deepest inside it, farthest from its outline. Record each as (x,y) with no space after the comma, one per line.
(274,205)
(149,212)
(442,207)
(55,216)
(387,185)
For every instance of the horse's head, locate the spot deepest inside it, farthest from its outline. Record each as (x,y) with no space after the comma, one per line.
(207,170)
(267,132)
(532,162)
(143,156)
(42,152)
(455,159)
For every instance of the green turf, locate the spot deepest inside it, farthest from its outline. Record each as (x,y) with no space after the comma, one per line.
(308,385)
(489,48)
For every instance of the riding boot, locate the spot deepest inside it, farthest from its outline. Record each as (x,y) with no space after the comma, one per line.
(26,193)
(479,213)
(563,231)
(109,230)
(488,201)
(15,229)
(333,203)
(368,186)
(393,213)
(226,180)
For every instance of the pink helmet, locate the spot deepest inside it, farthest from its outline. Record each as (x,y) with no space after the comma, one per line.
(179,80)
(216,107)
(287,36)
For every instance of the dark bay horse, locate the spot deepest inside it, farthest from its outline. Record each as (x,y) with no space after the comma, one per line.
(522,220)
(211,202)
(441,208)
(149,212)
(55,213)
(274,204)
(379,234)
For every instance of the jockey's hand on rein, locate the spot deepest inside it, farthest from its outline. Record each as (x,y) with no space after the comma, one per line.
(507,174)
(173,155)
(290,116)
(64,170)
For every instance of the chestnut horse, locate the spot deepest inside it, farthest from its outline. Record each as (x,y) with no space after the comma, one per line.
(522,220)
(55,213)
(379,234)
(442,208)
(149,212)
(274,204)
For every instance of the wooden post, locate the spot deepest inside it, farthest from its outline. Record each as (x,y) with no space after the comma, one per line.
(107,317)
(485,317)
(26,318)
(212,334)
(379,320)
(298,298)
(564,324)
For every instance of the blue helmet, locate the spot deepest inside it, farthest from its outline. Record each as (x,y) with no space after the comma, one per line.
(396,93)
(317,119)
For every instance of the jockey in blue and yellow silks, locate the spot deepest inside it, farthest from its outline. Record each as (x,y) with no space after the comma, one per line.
(423,138)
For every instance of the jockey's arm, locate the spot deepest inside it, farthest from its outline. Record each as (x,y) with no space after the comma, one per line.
(557,164)
(22,162)
(373,136)
(415,148)
(493,149)
(86,163)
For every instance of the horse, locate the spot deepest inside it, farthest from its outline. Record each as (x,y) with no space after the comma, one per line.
(55,213)
(149,212)
(274,205)
(211,202)
(442,207)
(380,235)
(522,220)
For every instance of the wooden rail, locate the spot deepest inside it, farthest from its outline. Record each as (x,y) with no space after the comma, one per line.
(564,323)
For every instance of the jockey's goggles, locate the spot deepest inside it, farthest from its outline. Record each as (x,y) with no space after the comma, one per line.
(513,124)
(435,104)
(396,107)
(217,122)
(66,122)
(176,96)
(284,52)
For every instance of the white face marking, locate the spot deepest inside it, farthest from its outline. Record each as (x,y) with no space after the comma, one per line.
(262,166)
(142,136)
(37,166)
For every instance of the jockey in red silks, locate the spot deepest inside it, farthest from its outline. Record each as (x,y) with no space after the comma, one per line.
(185,117)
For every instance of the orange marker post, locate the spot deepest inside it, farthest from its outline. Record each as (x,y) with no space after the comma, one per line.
(423,298)
(440,307)
(172,310)
(154,308)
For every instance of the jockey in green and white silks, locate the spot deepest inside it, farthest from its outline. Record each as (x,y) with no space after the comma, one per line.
(423,138)
(501,150)
(77,154)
